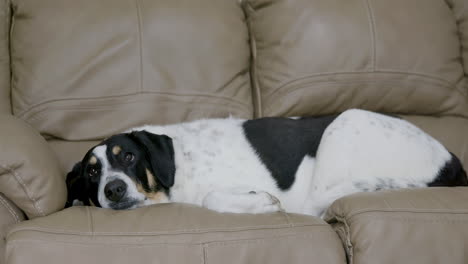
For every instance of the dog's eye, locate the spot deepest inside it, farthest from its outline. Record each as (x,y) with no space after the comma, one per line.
(92,172)
(129,157)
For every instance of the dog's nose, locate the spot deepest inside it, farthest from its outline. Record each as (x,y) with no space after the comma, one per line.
(115,190)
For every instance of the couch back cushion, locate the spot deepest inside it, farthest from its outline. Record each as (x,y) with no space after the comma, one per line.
(324,56)
(5,105)
(91,68)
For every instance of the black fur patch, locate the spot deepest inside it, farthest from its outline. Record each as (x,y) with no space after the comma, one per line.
(282,143)
(452,174)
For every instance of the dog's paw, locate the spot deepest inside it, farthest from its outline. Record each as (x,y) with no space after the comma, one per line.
(254,202)
(266,203)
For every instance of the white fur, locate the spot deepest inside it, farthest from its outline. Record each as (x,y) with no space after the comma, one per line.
(214,155)
(216,166)
(365,148)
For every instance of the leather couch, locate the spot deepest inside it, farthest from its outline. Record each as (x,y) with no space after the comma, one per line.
(74,72)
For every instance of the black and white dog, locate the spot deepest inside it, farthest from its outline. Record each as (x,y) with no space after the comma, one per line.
(300,165)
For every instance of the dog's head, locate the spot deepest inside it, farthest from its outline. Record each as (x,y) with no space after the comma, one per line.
(124,171)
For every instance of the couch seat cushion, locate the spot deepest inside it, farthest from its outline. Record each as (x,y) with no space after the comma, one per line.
(172,233)
(407,226)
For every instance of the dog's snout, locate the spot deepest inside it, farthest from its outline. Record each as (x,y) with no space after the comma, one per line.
(115,190)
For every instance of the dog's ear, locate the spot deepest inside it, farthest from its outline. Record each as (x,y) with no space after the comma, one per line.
(76,186)
(159,151)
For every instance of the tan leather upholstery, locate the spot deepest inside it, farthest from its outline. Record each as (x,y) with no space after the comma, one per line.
(5,106)
(408,226)
(460,12)
(118,64)
(9,215)
(320,56)
(172,233)
(79,76)
(30,175)
(70,152)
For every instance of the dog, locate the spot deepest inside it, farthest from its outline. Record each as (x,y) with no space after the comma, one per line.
(299,165)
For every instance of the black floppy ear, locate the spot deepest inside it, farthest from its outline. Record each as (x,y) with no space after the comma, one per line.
(76,186)
(159,152)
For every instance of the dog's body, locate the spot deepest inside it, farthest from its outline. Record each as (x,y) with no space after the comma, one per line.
(258,166)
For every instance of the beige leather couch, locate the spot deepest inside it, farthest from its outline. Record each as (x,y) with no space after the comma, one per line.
(73,72)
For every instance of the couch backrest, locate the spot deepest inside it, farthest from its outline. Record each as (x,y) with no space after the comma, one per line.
(460,12)
(90,68)
(325,56)
(5,105)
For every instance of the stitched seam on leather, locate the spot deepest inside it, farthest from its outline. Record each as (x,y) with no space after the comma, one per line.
(10,209)
(329,83)
(347,237)
(29,194)
(140,45)
(40,114)
(227,99)
(370,15)
(32,116)
(403,210)
(9,29)
(104,244)
(90,221)
(165,244)
(174,232)
(241,242)
(300,80)
(409,219)
(205,254)
(299,86)
(255,83)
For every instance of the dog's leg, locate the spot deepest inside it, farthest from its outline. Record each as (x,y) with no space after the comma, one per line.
(241,201)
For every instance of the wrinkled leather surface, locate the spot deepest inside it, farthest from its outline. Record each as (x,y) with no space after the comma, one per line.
(406,226)
(321,56)
(117,64)
(9,215)
(5,105)
(460,12)
(172,233)
(30,175)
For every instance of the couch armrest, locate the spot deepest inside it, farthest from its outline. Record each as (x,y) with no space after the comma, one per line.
(30,175)
(9,215)
(406,226)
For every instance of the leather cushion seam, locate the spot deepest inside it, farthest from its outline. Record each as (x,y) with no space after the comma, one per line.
(373,34)
(163,244)
(22,114)
(256,89)
(173,232)
(26,190)
(402,210)
(271,101)
(10,209)
(40,114)
(309,79)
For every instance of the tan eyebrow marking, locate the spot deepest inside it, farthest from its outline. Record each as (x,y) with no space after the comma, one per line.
(116,150)
(150,177)
(157,197)
(93,160)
